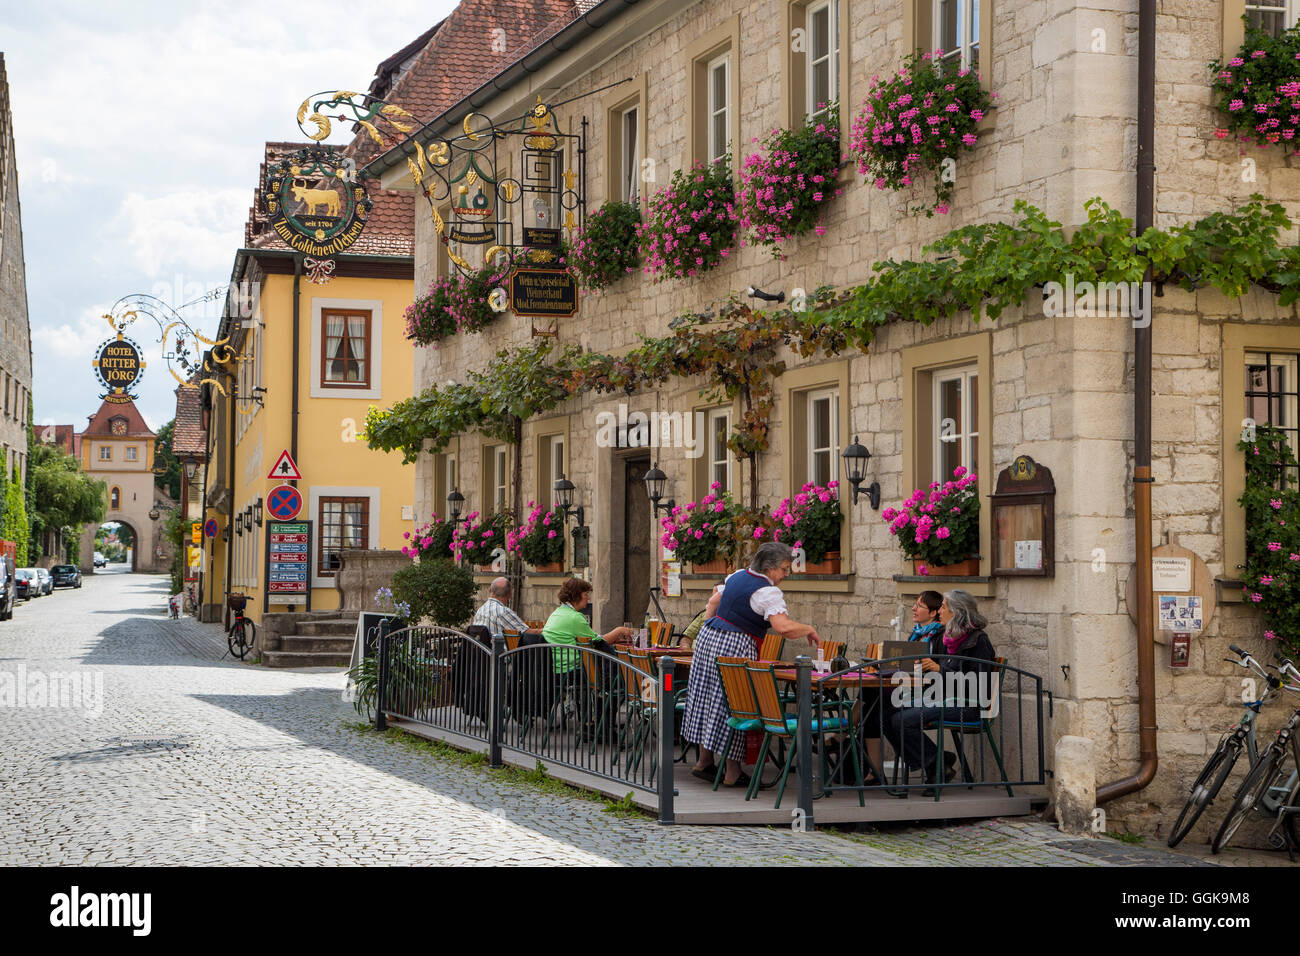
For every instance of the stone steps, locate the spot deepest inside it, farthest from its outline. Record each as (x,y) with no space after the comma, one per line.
(304,659)
(317,642)
(317,645)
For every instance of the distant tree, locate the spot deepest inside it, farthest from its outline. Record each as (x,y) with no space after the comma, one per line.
(170,480)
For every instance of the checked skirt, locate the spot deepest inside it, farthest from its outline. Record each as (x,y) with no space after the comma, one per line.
(706,704)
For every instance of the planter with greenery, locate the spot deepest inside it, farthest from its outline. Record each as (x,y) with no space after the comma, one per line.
(431,540)
(475,541)
(539,540)
(436,589)
(1272,575)
(785,186)
(811,520)
(705,532)
(454,304)
(606,248)
(916,120)
(1258,90)
(691,224)
(939,527)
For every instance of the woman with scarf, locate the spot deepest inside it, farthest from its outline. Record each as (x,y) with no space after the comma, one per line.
(963,637)
(926,625)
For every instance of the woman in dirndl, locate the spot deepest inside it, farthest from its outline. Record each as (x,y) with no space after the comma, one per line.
(743,609)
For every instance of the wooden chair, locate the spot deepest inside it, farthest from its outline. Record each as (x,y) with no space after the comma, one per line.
(832,649)
(535,625)
(661,633)
(776,724)
(512,639)
(772,647)
(739,694)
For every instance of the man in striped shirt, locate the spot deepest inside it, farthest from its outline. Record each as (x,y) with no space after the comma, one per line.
(495,613)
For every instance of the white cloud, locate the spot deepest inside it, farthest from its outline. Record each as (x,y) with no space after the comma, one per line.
(197,230)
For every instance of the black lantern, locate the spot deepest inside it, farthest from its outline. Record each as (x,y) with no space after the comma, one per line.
(455,504)
(257,513)
(855,469)
(655,482)
(239,525)
(153,513)
(564,490)
(225,533)
(191,465)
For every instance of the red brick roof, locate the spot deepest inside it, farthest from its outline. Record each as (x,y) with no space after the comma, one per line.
(189,436)
(135,424)
(459,58)
(390,230)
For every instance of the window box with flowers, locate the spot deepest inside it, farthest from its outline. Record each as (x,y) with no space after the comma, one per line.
(453,303)
(938,527)
(1272,575)
(475,542)
(606,248)
(431,540)
(1258,90)
(539,540)
(704,533)
(811,520)
(690,225)
(915,121)
(785,186)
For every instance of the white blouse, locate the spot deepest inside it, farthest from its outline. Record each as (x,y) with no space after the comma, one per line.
(765,601)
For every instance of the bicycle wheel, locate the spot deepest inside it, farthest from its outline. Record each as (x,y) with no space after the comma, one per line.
(1206,787)
(1249,795)
(236,639)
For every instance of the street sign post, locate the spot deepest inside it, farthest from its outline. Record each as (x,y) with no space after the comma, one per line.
(210,527)
(284,502)
(285,469)
(288,563)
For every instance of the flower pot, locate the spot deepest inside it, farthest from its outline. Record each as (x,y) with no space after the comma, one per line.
(830,564)
(550,566)
(716,566)
(968,568)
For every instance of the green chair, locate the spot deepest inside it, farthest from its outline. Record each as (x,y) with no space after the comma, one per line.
(739,694)
(959,728)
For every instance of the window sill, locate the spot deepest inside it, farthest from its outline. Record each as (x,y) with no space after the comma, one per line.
(912,584)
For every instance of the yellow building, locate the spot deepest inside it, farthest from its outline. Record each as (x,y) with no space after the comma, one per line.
(311,358)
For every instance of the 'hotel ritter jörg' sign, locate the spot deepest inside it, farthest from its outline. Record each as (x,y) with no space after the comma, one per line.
(118,366)
(544,293)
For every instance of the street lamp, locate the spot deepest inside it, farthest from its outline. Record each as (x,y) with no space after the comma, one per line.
(191,465)
(257,513)
(564,490)
(855,468)
(153,513)
(655,482)
(455,504)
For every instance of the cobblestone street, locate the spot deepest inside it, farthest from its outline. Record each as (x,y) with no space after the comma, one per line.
(191,759)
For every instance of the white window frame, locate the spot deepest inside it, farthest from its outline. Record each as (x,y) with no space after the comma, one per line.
(832,58)
(132,453)
(1290,8)
(558,464)
(317,492)
(715,150)
(713,464)
(967,428)
(500,484)
(968,34)
(812,399)
(376,309)
(449,464)
(630,159)
(102,450)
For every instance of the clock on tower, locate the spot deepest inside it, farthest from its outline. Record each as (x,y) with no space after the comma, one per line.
(118,426)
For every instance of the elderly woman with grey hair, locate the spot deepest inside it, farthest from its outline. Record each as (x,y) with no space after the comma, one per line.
(742,610)
(967,650)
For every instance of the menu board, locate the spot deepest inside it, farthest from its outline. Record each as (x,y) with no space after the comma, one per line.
(288,563)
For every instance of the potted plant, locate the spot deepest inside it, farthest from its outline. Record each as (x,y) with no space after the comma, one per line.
(784,187)
(398,613)
(691,224)
(811,520)
(1258,90)
(454,303)
(1272,574)
(703,533)
(476,542)
(437,589)
(429,540)
(939,527)
(606,248)
(915,121)
(539,540)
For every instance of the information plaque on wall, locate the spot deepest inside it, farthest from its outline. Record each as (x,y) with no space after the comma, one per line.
(288,563)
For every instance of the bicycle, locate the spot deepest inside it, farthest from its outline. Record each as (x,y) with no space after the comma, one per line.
(242,632)
(1238,738)
(1271,787)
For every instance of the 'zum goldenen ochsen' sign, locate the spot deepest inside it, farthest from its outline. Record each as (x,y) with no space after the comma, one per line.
(315,201)
(118,366)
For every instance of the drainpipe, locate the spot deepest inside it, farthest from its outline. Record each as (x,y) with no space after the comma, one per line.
(293,420)
(1145,215)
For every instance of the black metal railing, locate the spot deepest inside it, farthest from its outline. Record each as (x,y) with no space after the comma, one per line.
(900,725)
(575,706)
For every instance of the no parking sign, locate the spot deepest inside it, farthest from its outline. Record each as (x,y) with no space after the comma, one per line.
(284,502)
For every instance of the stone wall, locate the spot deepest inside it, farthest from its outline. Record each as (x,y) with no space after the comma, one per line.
(15,330)
(1064,130)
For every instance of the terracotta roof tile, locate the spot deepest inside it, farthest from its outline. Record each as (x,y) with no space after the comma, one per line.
(189,436)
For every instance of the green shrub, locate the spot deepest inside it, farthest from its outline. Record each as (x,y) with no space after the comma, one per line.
(438,589)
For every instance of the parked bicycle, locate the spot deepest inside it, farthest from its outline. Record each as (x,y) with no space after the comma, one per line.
(1273,784)
(1239,738)
(241,633)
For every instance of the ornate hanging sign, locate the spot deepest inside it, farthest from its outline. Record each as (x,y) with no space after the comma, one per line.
(119,364)
(316,202)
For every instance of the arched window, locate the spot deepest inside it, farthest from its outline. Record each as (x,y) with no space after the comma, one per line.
(115,498)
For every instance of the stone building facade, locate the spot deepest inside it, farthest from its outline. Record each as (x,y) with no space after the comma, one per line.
(1059,389)
(15,329)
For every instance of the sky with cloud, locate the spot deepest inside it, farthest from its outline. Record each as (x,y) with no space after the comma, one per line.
(139,129)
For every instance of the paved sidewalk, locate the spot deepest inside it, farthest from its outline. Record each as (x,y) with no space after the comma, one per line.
(189,758)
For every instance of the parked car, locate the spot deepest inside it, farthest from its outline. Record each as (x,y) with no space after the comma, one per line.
(65,576)
(46,582)
(8,588)
(100,560)
(25,585)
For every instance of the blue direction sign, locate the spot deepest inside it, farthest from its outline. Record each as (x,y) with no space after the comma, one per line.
(288,551)
(284,502)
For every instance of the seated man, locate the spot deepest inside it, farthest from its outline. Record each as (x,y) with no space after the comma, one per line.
(495,614)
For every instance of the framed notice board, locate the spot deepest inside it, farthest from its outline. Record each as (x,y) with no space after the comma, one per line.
(288,564)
